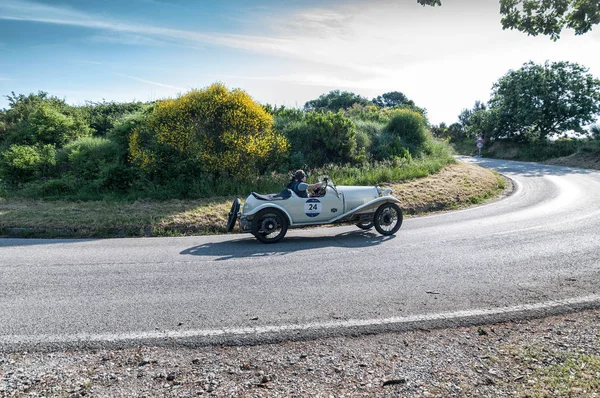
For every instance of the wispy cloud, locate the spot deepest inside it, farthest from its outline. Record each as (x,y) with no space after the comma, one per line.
(129,39)
(35,12)
(320,22)
(158,84)
(316,35)
(343,40)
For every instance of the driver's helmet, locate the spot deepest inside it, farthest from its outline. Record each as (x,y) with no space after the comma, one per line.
(299,175)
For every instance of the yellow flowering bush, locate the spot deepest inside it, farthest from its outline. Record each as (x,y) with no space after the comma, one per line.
(216,129)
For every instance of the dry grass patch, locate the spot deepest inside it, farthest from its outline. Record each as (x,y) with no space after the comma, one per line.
(113,219)
(455,186)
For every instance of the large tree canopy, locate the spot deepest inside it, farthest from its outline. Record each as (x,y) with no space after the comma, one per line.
(537,101)
(392,99)
(546,17)
(549,17)
(334,101)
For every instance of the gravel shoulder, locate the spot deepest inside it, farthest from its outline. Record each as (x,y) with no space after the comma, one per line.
(557,356)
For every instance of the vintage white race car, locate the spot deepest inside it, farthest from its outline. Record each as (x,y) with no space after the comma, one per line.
(268,217)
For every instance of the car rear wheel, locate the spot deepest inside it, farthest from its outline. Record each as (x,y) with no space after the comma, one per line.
(388,219)
(233,214)
(269,225)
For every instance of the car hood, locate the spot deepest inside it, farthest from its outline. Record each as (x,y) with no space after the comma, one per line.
(355,196)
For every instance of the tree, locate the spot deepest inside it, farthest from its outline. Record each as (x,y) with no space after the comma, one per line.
(537,101)
(546,17)
(466,114)
(549,17)
(481,123)
(474,122)
(430,2)
(392,99)
(334,101)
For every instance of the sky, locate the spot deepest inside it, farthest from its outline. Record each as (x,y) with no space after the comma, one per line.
(280,52)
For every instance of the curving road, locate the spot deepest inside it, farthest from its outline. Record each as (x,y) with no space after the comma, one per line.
(535,252)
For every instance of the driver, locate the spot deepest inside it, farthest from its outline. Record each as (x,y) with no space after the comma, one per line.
(299,185)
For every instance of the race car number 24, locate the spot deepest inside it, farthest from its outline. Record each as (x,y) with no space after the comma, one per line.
(312,207)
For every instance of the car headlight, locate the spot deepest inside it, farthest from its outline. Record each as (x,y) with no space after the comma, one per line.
(378,191)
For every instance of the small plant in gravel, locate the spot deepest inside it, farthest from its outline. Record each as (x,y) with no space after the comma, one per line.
(554,373)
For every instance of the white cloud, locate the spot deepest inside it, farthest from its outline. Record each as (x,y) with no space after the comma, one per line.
(128,39)
(153,83)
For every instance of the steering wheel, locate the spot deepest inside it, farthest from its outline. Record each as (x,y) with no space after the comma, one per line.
(322,190)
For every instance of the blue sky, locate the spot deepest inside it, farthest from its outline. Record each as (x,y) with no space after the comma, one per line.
(283,53)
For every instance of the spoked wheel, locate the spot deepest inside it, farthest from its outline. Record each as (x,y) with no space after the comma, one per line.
(269,226)
(366,225)
(388,219)
(233,213)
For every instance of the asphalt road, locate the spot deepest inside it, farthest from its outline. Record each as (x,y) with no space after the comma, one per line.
(534,252)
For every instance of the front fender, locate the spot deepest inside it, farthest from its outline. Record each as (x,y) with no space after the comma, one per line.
(368,207)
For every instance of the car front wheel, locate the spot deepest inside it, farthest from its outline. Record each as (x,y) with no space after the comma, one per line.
(388,219)
(269,225)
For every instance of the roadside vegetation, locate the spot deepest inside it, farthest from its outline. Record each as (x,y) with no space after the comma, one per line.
(539,113)
(455,186)
(171,167)
(206,143)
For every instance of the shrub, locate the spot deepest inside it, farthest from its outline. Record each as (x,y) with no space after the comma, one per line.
(22,163)
(212,130)
(402,137)
(323,138)
(58,187)
(368,135)
(116,177)
(410,127)
(370,113)
(283,116)
(122,130)
(544,150)
(46,124)
(85,157)
(104,116)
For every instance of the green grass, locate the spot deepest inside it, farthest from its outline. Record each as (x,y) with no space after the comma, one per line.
(207,186)
(558,373)
(388,172)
